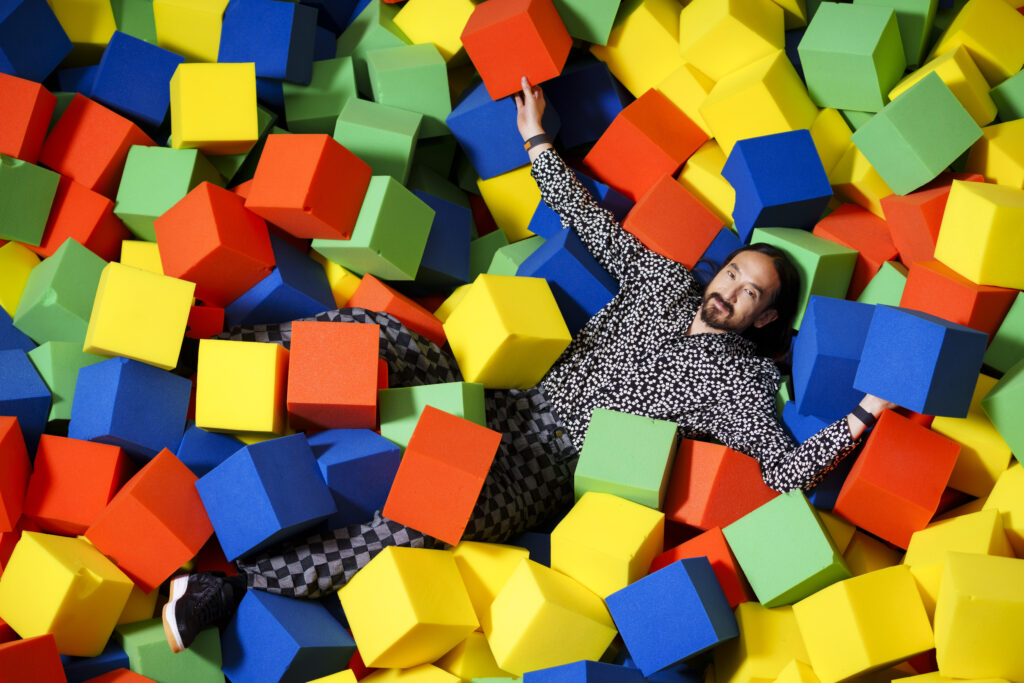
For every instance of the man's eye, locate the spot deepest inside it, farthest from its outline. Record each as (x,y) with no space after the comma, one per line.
(751,293)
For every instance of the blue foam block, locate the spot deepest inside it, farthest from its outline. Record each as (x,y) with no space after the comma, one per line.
(358,466)
(580,285)
(325,44)
(334,15)
(10,336)
(273,638)
(826,354)
(486,131)
(263,493)
(32,41)
(539,545)
(277,36)
(201,450)
(133,405)
(779,182)
(78,669)
(673,614)
(587,98)
(679,674)
(296,288)
(270,94)
(802,427)
(445,261)
(80,79)
(584,671)
(546,223)
(713,258)
(920,361)
(24,394)
(134,79)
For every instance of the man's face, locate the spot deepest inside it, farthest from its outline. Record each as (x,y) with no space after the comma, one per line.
(741,294)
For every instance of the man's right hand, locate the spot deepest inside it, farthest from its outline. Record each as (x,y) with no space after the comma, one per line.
(529,110)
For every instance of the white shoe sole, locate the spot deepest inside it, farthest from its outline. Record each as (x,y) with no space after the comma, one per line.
(177,589)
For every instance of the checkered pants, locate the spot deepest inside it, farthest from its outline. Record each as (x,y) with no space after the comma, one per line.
(529,481)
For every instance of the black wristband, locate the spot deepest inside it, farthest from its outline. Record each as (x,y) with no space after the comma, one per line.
(538,139)
(864,416)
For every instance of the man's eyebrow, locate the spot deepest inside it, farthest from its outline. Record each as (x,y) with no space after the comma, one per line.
(740,271)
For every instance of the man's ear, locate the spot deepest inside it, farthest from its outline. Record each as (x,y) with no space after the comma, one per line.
(768,315)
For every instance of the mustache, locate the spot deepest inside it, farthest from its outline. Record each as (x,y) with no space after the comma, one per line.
(718,297)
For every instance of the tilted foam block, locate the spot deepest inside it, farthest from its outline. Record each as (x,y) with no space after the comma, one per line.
(359,467)
(999,405)
(26,198)
(863,623)
(687,88)
(140,607)
(204,322)
(991,34)
(439,23)
(374,295)
(134,79)
(854,178)
(711,544)
(314,108)
(482,251)
(1006,347)
(85,216)
(626,455)
(58,364)
(381,135)
(961,75)
(62,586)
(542,618)
(472,659)
(373,28)
(276,638)
(264,493)
(32,41)
(511,199)
(445,261)
(894,498)
(401,407)
(507,332)
(238,168)
(586,96)
(1005,497)
(414,78)
(671,221)
(886,287)
(485,567)
(35,659)
(149,655)
(720,37)
(997,154)
(865,553)
(213,108)
(588,21)
(831,135)
(17,261)
(14,472)
(407,607)
(201,450)
(702,177)
(279,39)
(783,570)
(241,386)
(508,259)
(768,640)
(1009,98)
(27,108)
(857,228)
(947,358)
(23,395)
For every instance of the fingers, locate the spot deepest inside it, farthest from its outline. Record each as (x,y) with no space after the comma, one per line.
(527,88)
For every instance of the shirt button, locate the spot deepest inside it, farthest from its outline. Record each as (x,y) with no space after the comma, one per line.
(559,433)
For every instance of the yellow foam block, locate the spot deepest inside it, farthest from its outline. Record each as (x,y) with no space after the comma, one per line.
(839,530)
(142,255)
(702,177)
(795,12)
(138,314)
(449,304)
(962,76)
(993,32)
(1007,496)
(407,607)
(511,198)
(542,618)
(687,87)
(831,136)
(485,567)
(979,617)
(797,672)
(64,586)
(866,553)
(343,283)
(88,23)
(472,658)
(855,179)
(139,607)
(764,97)
(928,577)
(936,677)
(980,236)
(507,331)
(16,263)
(643,47)
(863,623)
(435,21)
(240,386)
(213,107)
(999,154)
(424,673)
(190,28)
(346,676)
(769,639)
(607,542)
(983,453)
(721,36)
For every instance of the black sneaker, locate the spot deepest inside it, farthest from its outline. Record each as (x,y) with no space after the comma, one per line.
(198,601)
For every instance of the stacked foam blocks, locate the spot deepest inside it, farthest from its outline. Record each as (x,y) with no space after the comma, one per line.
(172,168)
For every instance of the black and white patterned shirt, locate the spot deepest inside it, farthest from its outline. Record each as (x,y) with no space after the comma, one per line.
(634,356)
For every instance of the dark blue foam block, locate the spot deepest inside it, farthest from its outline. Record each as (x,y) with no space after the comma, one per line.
(296,288)
(445,259)
(270,94)
(802,427)
(273,638)
(24,394)
(714,257)
(678,674)
(133,405)
(826,354)
(32,41)
(201,450)
(333,15)
(78,669)
(779,182)
(580,285)
(584,671)
(673,614)
(486,131)
(792,40)
(80,79)
(10,336)
(587,98)
(279,37)
(920,361)
(325,45)
(358,466)
(539,545)
(134,77)
(263,493)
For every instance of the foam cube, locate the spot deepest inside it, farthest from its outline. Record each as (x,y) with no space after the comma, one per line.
(35,659)
(438,23)
(413,78)
(504,318)
(711,544)
(201,450)
(831,135)
(1008,98)
(991,34)
(343,282)
(134,78)
(590,81)
(381,135)
(58,364)
(26,198)
(509,258)
(238,168)
(886,287)
(86,668)
(23,395)
(1006,347)
(62,586)
(374,295)
(14,472)
(241,386)
(10,336)
(445,261)
(359,467)
(471,659)
(149,655)
(1005,497)
(401,407)
(88,25)
(961,75)
(277,38)
(702,177)
(857,228)
(783,570)
(32,41)
(373,28)
(854,179)
(263,493)
(914,19)
(542,618)
(865,553)
(314,108)
(425,610)
(87,217)
(998,405)
(768,640)
(17,261)
(27,108)
(213,108)
(485,567)
(719,38)
(997,154)
(275,638)
(511,200)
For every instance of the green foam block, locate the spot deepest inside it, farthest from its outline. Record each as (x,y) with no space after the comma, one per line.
(856,119)
(429,180)
(373,29)
(382,136)
(1009,97)
(626,455)
(588,20)
(26,194)
(915,19)
(314,108)
(400,408)
(1002,405)
(415,78)
(58,364)
(1007,346)
(785,551)
(482,251)
(507,259)
(135,17)
(148,654)
(886,287)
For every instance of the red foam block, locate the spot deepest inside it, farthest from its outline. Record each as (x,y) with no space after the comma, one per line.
(374,295)
(674,223)
(33,659)
(204,322)
(120,676)
(86,216)
(25,109)
(712,544)
(14,473)
(857,228)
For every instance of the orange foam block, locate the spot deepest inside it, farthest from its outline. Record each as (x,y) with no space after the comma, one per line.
(33,659)
(674,223)
(374,295)
(713,485)
(72,482)
(332,375)
(309,185)
(89,144)
(154,524)
(857,228)
(87,217)
(25,108)
(649,138)
(896,483)
(712,545)
(14,473)
(441,474)
(204,322)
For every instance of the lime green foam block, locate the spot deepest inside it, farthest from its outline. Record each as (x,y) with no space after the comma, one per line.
(400,408)
(1009,97)
(135,17)
(26,194)
(148,654)
(886,287)
(1007,346)
(58,364)
(856,119)
(314,108)
(785,551)
(588,20)
(57,300)
(412,77)
(915,19)
(918,135)
(154,180)
(482,251)
(626,455)
(381,135)
(373,29)
(389,236)
(238,168)
(825,267)
(508,258)
(1003,404)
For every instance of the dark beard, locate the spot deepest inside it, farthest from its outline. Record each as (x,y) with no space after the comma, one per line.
(714,318)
